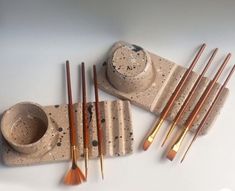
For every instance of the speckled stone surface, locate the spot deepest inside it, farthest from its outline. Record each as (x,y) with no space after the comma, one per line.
(157,91)
(117,130)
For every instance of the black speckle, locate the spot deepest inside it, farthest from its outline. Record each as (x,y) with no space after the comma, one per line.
(94,143)
(120,136)
(105,63)
(116,137)
(49,113)
(102,120)
(114,117)
(76,111)
(132,139)
(90,111)
(58,144)
(128,68)
(131,133)
(82,155)
(56,106)
(136,48)
(60,129)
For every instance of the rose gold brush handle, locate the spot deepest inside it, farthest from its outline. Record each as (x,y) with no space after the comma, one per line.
(85,121)
(209,111)
(73,135)
(148,141)
(174,149)
(189,98)
(98,122)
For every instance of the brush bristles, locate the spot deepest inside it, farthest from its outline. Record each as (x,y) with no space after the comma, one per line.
(171,154)
(146,145)
(74,176)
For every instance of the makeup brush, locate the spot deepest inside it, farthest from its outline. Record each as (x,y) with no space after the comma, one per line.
(209,112)
(175,147)
(98,121)
(74,176)
(148,141)
(189,98)
(85,121)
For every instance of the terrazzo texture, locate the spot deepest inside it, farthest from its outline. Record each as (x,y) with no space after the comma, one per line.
(167,75)
(116,123)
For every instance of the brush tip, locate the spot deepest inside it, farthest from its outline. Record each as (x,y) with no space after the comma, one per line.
(74,177)
(171,154)
(146,145)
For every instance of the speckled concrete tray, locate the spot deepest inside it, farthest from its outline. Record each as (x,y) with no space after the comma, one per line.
(148,81)
(117,128)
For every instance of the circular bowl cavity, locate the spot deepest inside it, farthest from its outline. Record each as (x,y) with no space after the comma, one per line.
(130,69)
(26,127)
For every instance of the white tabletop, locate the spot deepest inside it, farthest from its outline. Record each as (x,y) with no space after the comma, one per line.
(36,37)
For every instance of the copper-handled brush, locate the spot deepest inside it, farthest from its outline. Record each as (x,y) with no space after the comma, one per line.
(209,112)
(174,149)
(189,97)
(74,176)
(98,121)
(148,141)
(85,121)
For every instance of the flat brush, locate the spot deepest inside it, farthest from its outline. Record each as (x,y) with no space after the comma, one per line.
(192,117)
(189,97)
(209,112)
(148,141)
(74,176)
(85,121)
(98,121)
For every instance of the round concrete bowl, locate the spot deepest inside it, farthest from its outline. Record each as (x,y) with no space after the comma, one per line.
(130,69)
(27,128)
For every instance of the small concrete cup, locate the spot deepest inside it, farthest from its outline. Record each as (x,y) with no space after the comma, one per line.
(130,68)
(28,129)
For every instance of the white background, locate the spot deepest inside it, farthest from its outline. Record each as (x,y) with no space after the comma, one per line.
(36,37)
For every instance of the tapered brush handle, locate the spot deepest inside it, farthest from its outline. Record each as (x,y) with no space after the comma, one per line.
(181,84)
(84,109)
(188,99)
(98,120)
(73,135)
(214,102)
(206,93)
(148,141)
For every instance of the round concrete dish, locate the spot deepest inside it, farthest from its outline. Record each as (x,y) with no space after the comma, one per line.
(27,128)
(130,69)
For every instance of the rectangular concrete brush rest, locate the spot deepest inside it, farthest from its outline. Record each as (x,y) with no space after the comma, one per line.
(148,81)
(115,120)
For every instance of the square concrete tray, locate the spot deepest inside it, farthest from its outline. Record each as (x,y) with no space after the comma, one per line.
(117,130)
